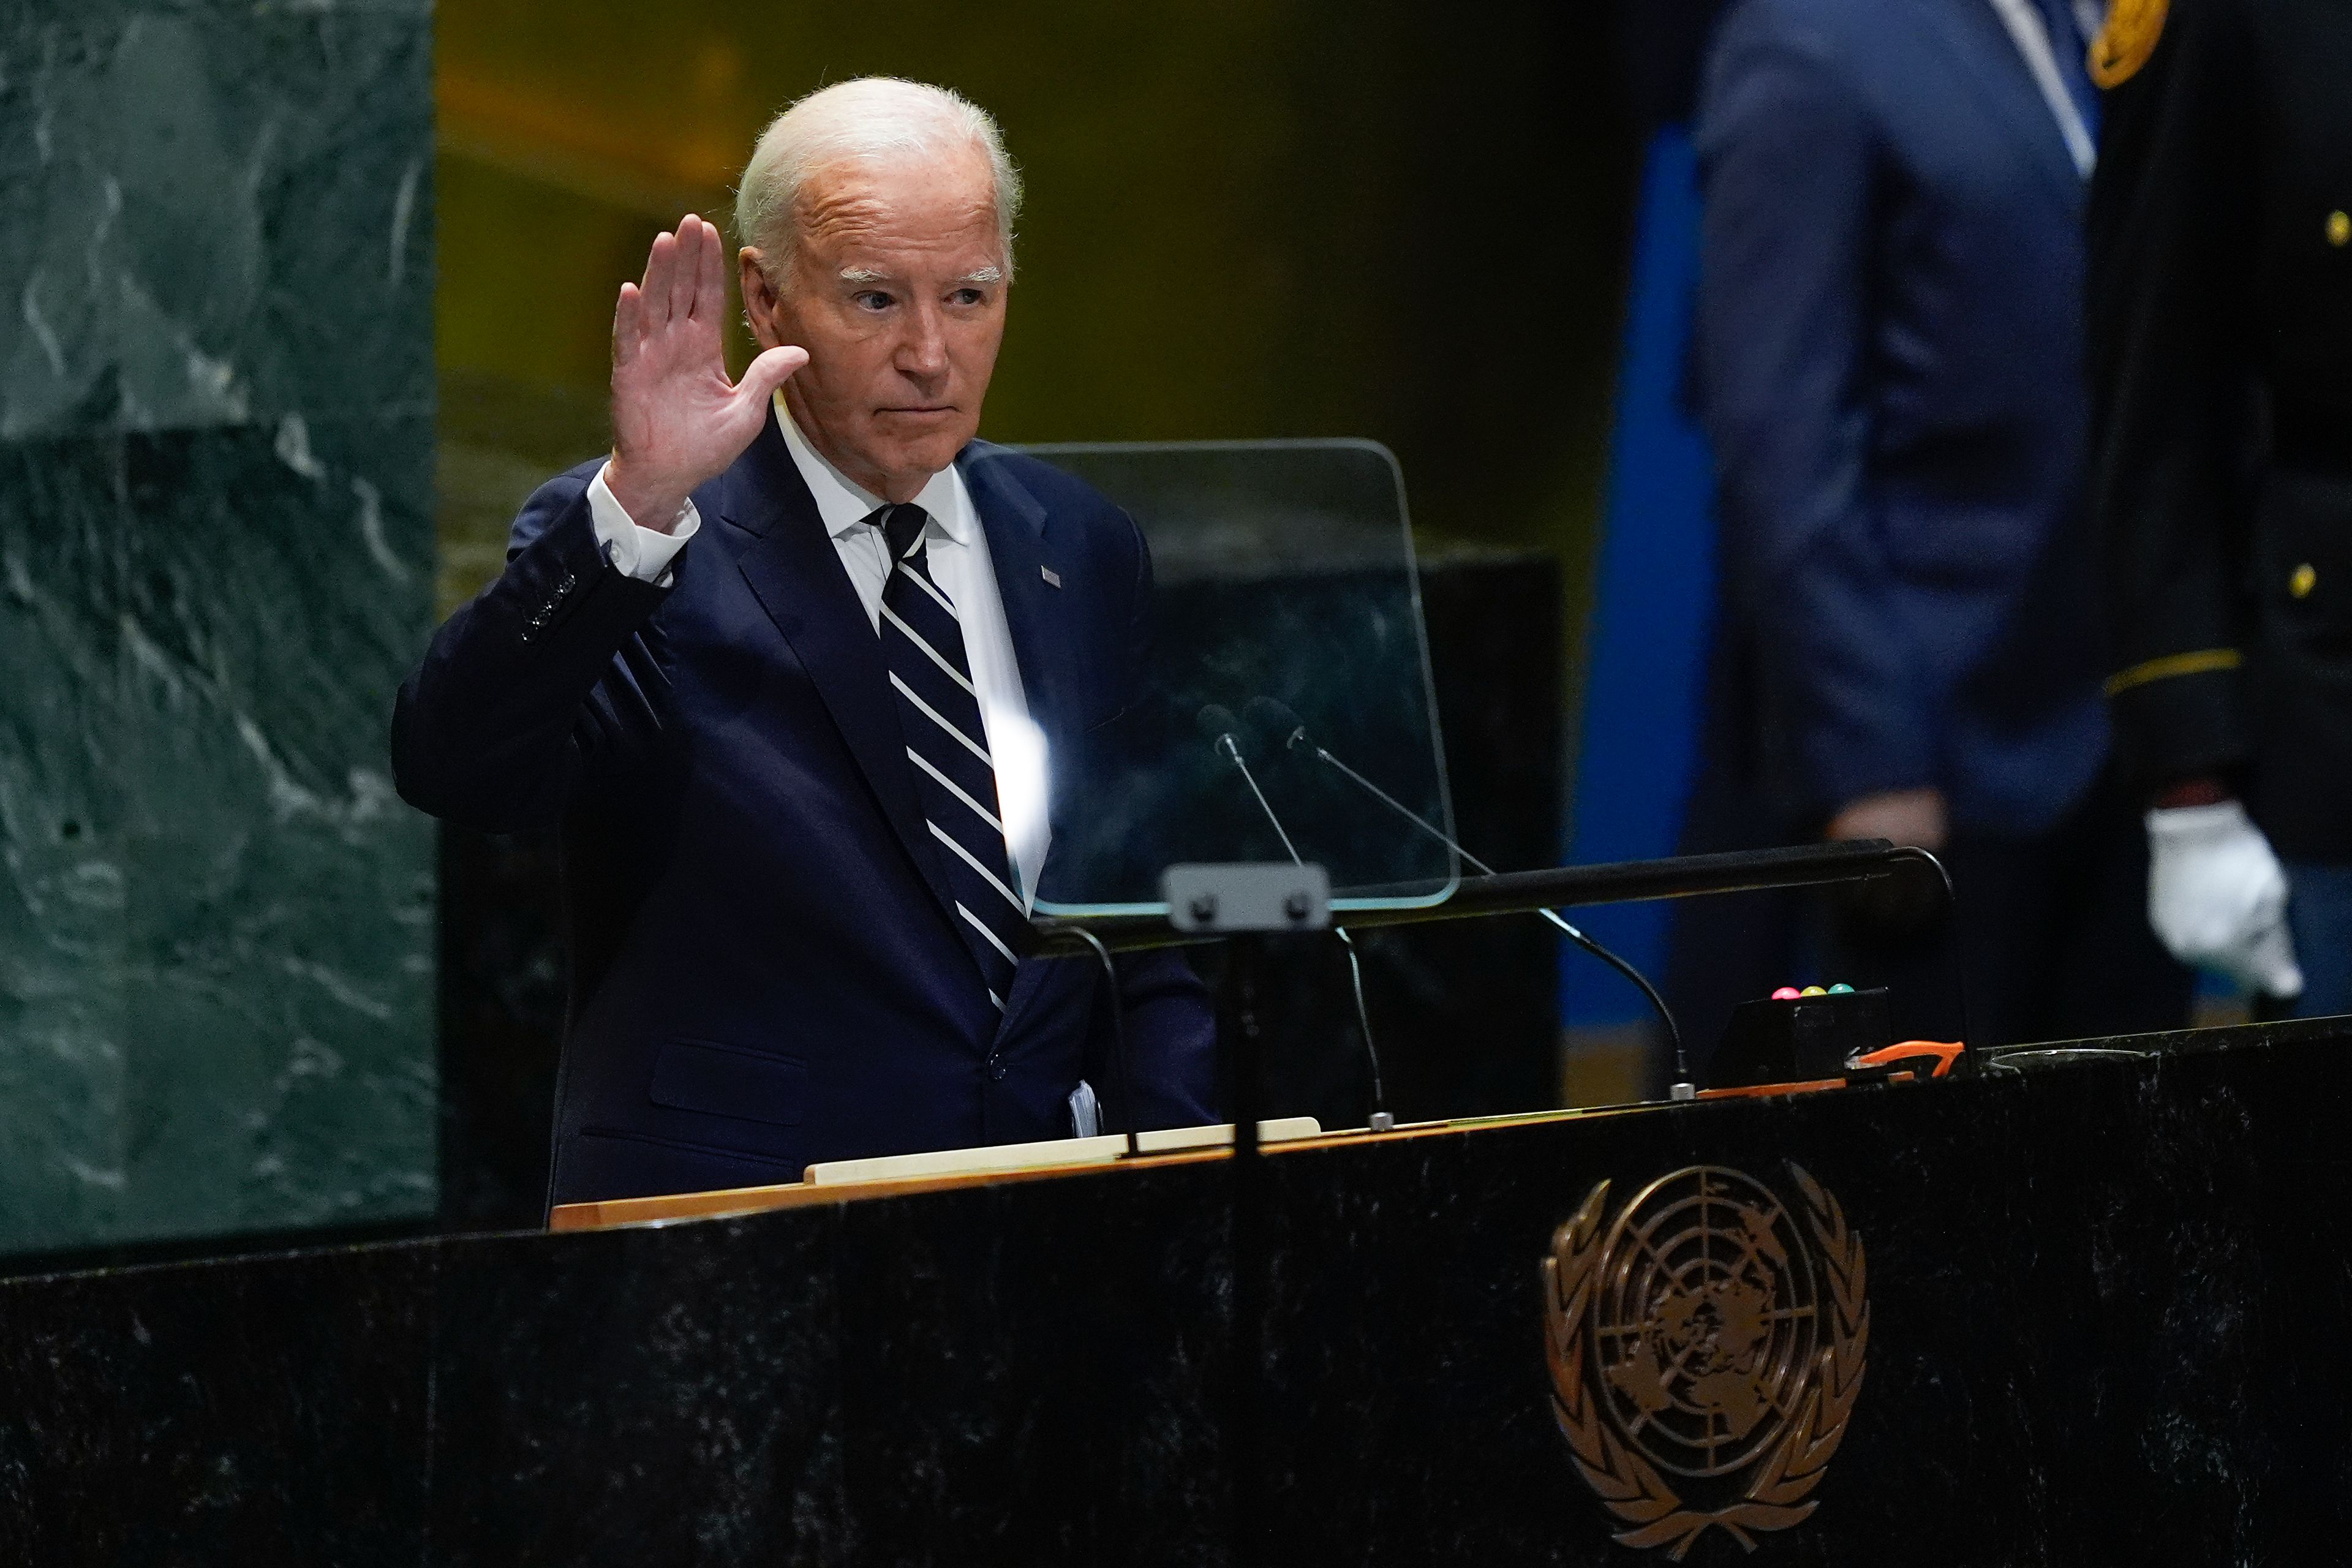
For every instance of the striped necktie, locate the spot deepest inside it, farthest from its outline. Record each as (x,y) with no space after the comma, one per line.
(947,745)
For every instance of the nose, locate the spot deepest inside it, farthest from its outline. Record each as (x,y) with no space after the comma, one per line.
(923,351)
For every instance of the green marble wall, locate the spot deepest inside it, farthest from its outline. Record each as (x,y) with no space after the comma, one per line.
(216,564)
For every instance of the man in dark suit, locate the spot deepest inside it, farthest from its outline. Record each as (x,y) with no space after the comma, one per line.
(794,670)
(1889,372)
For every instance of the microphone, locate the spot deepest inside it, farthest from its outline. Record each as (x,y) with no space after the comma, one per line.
(1225,732)
(1286,732)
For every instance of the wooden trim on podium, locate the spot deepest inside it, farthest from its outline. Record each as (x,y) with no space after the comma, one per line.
(671,1207)
(803,1194)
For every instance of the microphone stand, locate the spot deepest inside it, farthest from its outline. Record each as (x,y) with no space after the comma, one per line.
(1251,1252)
(1381,1120)
(1683,1088)
(1252,1248)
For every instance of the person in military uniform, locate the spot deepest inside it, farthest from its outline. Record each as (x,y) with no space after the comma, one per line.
(2220,322)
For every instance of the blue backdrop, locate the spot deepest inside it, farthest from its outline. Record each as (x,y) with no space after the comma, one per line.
(1653,599)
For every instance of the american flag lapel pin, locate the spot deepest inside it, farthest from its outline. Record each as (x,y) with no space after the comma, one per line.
(1051,577)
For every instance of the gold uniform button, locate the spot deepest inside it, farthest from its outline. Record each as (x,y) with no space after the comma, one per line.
(2339,228)
(2304,579)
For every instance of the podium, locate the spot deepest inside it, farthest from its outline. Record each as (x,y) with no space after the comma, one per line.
(2103,1287)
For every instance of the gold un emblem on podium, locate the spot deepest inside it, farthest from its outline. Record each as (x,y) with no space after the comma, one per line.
(1705,1351)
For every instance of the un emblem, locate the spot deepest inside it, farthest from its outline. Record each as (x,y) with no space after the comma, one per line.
(1710,1343)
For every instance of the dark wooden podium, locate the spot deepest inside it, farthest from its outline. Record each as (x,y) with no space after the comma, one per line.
(2094,1305)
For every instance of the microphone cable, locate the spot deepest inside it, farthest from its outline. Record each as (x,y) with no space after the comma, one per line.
(1117,1039)
(1274,720)
(1223,731)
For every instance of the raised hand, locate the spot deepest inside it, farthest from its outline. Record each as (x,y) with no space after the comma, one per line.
(677,419)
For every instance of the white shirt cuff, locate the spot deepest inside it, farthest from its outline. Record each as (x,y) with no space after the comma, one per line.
(636,552)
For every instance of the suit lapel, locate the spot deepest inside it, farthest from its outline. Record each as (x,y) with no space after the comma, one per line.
(2005,83)
(1020,551)
(796,574)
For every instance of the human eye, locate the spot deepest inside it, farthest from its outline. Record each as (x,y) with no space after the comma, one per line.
(873,299)
(968,297)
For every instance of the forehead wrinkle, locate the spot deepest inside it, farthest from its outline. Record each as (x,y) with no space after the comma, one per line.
(854,191)
(829,211)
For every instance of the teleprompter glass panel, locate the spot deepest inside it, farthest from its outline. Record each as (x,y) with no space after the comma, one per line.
(1285,601)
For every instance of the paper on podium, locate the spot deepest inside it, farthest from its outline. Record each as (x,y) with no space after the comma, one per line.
(1055,1151)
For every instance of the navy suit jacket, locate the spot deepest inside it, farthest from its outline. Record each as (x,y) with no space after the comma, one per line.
(1890,371)
(765,972)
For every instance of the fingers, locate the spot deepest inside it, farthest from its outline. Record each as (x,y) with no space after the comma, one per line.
(685,266)
(661,271)
(628,324)
(768,372)
(709,274)
(2269,962)
(685,276)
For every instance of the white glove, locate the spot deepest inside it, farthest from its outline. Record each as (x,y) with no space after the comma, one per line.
(2217,895)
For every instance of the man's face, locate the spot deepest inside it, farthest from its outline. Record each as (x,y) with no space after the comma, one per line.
(897,291)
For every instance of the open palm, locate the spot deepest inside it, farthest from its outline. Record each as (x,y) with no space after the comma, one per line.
(677,420)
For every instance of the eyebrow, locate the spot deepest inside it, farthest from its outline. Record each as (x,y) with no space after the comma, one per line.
(864,275)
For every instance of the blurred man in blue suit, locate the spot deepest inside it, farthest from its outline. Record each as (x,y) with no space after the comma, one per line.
(1890,373)
(794,672)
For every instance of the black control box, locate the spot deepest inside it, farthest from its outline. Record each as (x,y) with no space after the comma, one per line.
(1798,1039)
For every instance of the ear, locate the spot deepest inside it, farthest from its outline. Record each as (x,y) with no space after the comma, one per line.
(762,308)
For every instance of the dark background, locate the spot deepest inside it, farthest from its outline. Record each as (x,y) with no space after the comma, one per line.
(1282,218)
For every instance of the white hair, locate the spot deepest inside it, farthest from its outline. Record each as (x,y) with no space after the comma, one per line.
(865,120)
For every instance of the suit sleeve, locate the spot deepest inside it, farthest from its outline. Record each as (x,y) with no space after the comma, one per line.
(2173,221)
(528,686)
(1788,172)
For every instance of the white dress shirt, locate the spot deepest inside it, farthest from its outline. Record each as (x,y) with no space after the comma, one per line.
(958,559)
